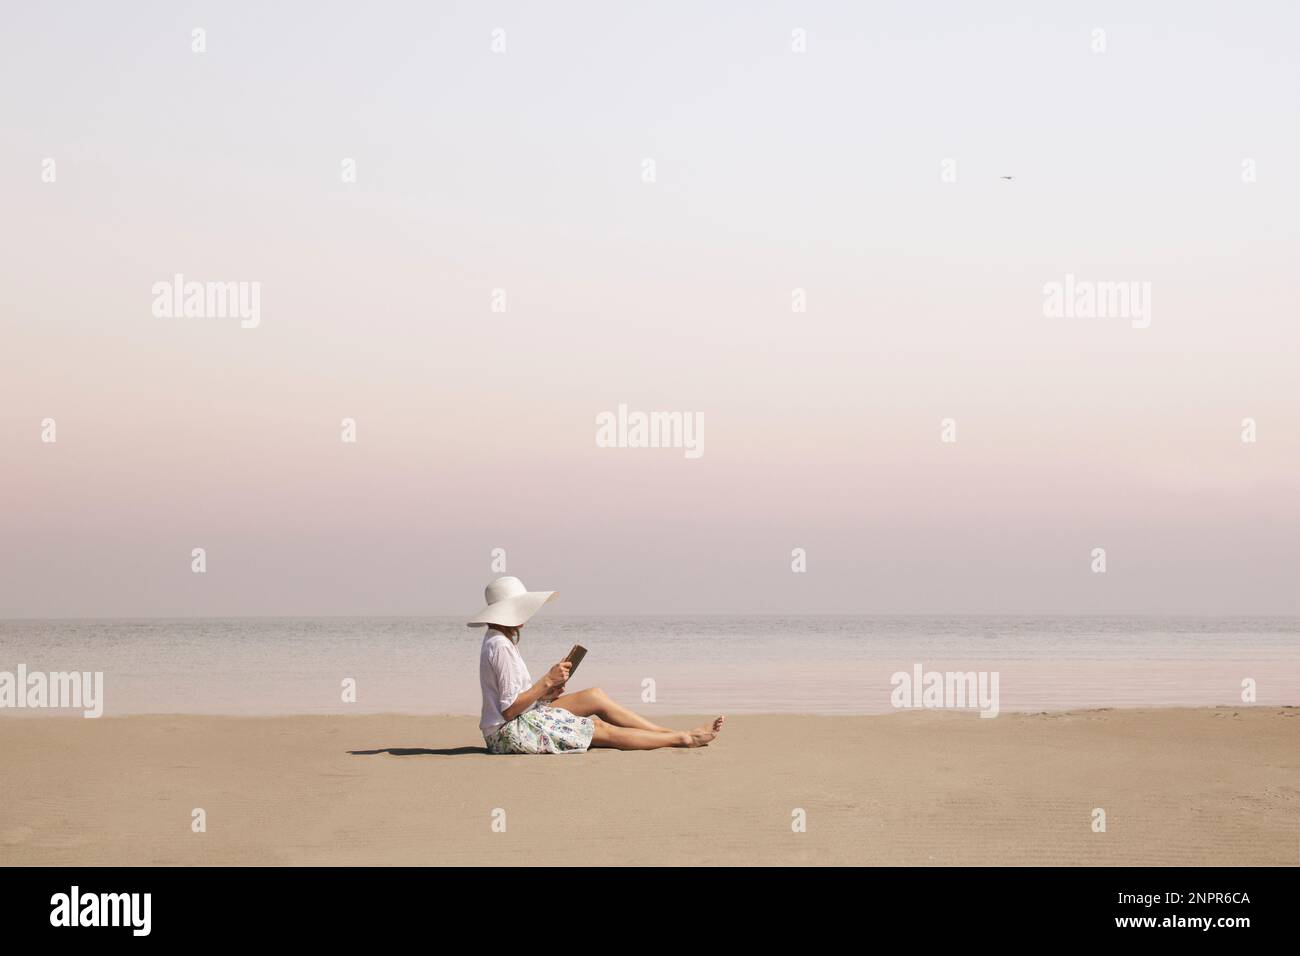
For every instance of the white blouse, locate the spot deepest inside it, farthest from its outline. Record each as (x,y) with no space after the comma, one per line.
(502,676)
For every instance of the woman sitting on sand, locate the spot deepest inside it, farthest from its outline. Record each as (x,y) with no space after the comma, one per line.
(522,717)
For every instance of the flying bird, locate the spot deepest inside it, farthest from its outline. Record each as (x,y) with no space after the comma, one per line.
(1007,178)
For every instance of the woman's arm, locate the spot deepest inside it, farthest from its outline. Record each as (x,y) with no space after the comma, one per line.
(548,688)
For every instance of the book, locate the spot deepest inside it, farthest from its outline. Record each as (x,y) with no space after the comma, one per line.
(575,658)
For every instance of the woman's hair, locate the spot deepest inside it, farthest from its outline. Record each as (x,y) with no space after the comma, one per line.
(510,632)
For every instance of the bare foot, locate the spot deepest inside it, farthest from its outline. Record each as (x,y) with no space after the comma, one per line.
(702,736)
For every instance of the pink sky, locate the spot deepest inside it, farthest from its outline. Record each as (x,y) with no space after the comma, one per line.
(522,171)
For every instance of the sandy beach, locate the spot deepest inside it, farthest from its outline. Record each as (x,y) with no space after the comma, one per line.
(1179,787)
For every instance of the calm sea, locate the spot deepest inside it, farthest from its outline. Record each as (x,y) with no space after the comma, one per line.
(826,665)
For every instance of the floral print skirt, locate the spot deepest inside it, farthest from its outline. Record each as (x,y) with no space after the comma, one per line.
(542,730)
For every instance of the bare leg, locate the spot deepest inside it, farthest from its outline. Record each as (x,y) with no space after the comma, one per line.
(594,702)
(634,738)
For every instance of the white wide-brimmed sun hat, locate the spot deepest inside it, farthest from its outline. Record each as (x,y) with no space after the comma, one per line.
(509,603)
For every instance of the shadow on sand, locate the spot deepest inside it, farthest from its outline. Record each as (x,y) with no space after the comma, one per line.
(419,751)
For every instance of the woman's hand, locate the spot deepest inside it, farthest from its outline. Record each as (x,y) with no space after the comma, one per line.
(548,688)
(555,679)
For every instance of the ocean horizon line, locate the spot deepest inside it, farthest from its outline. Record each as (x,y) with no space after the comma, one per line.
(624,615)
